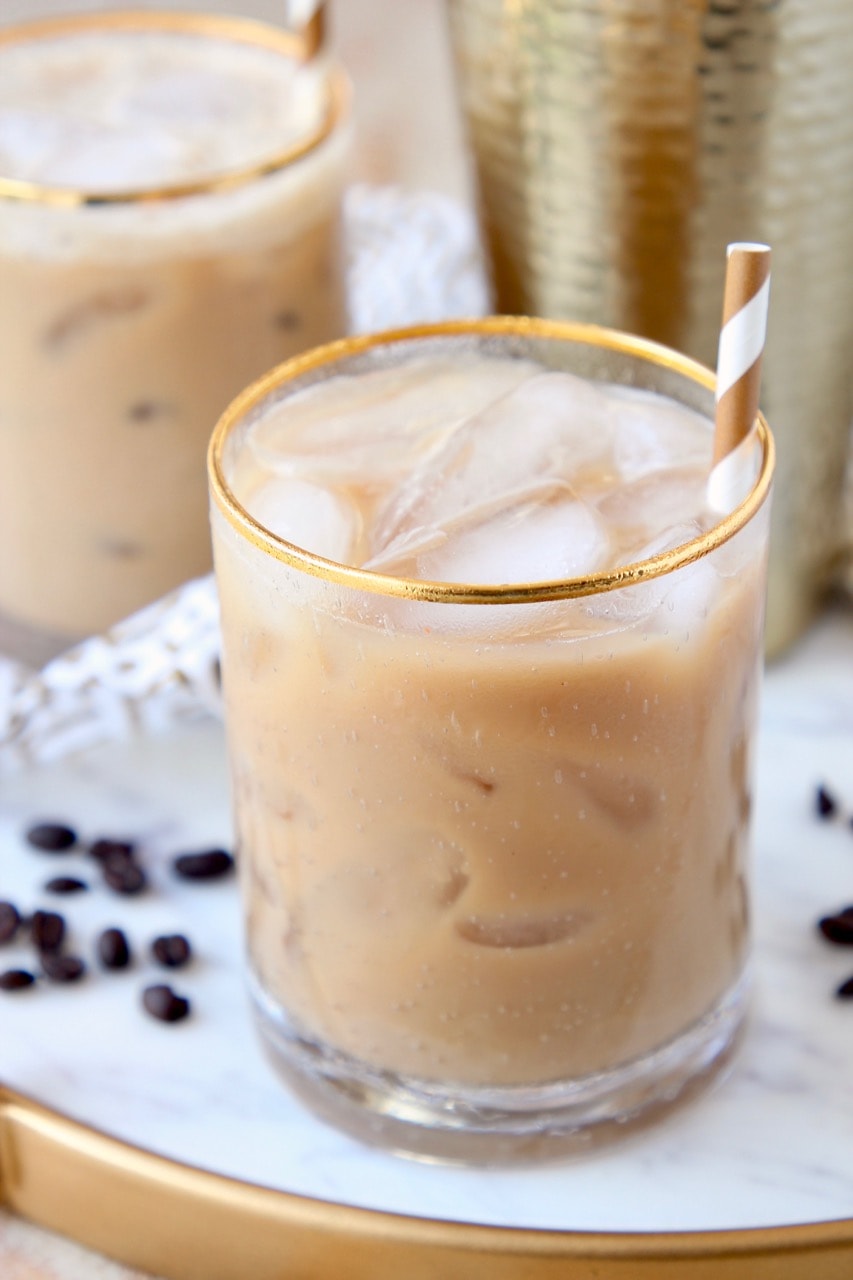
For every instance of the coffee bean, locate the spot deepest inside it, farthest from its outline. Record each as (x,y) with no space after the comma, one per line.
(826,806)
(838,928)
(47,930)
(845,991)
(16,979)
(106,847)
(124,876)
(172,950)
(66,884)
(51,837)
(207,865)
(164,1004)
(113,950)
(9,921)
(62,968)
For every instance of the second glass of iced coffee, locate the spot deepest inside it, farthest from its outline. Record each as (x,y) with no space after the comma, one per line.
(170,226)
(491,667)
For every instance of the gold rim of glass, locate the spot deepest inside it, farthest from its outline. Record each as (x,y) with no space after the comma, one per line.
(294,47)
(476,593)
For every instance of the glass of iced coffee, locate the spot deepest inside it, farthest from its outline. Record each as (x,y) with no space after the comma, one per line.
(170,197)
(491,666)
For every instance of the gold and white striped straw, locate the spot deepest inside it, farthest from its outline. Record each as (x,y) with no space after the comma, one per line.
(745,304)
(307,20)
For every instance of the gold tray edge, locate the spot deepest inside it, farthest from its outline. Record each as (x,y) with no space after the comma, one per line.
(185,1223)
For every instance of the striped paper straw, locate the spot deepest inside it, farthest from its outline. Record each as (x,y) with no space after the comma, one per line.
(741,344)
(747,293)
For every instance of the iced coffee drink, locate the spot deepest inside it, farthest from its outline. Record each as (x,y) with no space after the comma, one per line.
(169,228)
(491,667)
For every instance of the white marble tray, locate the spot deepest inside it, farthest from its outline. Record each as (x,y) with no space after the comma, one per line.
(771,1146)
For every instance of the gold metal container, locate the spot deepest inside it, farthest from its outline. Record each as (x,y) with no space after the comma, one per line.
(620,145)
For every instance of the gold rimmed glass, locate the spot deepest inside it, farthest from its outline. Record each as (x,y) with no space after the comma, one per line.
(494,858)
(607,344)
(130,316)
(241,31)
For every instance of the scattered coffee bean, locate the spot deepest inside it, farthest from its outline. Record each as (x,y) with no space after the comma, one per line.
(164,1004)
(124,876)
(66,884)
(47,930)
(113,949)
(845,991)
(207,865)
(16,979)
(826,806)
(838,928)
(51,837)
(9,921)
(62,968)
(106,848)
(172,950)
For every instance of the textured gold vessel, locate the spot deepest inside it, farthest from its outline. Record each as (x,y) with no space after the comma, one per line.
(620,145)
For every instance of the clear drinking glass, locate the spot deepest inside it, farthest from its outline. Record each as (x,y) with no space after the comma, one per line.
(493,838)
(159,248)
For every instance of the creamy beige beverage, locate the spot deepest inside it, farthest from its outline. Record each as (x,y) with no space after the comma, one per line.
(169,228)
(492,848)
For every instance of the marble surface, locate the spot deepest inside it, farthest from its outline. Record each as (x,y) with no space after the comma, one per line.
(770,1145)
(780,1126)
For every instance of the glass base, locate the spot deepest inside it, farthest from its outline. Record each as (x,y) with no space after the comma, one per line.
(465,1125)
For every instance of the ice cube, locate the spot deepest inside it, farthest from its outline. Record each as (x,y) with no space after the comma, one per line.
(669,538)
(652,433)
(106,159)
(307,515)
(627,799)
(641,602)
(672,601)
(523,931)
(181,98)
(29,139)
(644,510)
(372,428)
(688,596)
(552,427)
(555,539)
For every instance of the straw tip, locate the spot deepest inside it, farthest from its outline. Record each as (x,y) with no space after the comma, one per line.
(746,246)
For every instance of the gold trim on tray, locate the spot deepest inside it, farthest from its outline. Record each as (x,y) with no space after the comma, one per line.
(184,1223)
(471,593)
(295,47)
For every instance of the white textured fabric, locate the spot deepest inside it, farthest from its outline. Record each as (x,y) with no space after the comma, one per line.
(412,259)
